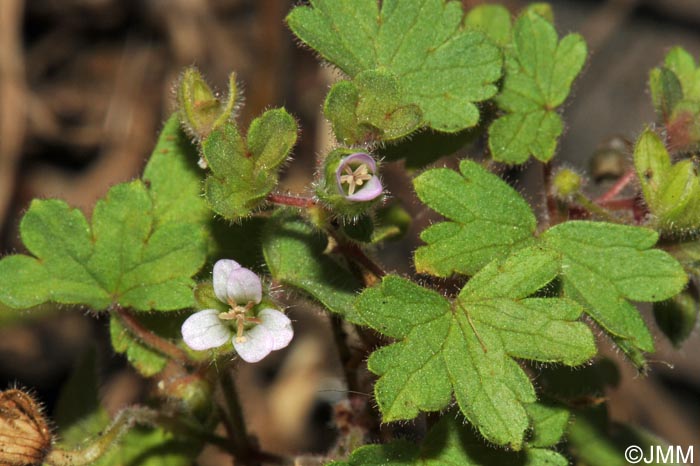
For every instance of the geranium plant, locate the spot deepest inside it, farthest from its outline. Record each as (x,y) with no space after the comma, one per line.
(456,359)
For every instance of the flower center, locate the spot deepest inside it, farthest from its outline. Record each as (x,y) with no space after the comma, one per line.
(241,315)
(355,178)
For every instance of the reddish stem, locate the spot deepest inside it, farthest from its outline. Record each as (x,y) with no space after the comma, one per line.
(149,338)
(617,187)
(355,252)
(293,201)
(619,204)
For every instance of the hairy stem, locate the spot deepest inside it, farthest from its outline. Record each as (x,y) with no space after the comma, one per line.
(550,201)
(149,338)
(87,455)
(594,208)
(291,201)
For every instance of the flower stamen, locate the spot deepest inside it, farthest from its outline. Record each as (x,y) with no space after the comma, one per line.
(355,178)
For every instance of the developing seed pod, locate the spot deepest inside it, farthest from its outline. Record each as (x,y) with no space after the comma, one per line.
(200,110)
(25,437)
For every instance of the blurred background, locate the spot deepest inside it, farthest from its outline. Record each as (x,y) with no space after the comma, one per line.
(85,86)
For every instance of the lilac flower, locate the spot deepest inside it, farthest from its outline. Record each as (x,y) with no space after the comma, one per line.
(358,172)
(255,336)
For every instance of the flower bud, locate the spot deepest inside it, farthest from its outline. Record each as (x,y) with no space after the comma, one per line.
(199,108)
(193,391)
(566,183)
(351,183)
(25,438)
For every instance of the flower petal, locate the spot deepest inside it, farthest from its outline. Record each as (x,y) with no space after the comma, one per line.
(257,344)
(358,158)
(369,191)
(204,330)
(279,326)
(244,286)
(222,270)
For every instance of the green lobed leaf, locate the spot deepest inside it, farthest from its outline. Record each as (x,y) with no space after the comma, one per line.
(489,219)
(243,173)
(449,443)
(440,67)
(123,258)
(294,253)
(492,20)
(139,251)
(604,265)
(467,346)
(174,180)
(539,72)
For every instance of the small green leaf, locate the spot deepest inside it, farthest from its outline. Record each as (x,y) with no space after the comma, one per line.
(677,316)
(672,191)
(373,97)
(666,91)
(467,346)
(683,65)
(271,138)
(146,360)
(234,188)
(549,423)
(539,72)
(294,253)
(516,136)
(243,173)
(489,219)
(439,66)
(604,265)
(451,443)
(492,20)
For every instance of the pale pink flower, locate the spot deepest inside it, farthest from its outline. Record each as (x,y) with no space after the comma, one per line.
(253,336)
